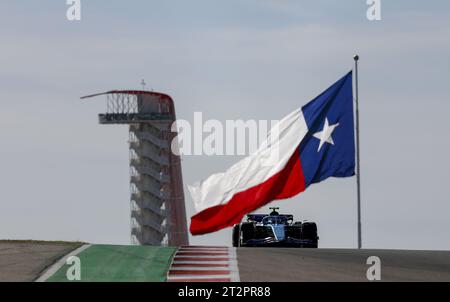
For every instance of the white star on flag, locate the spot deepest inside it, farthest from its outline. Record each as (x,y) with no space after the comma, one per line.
(325,134)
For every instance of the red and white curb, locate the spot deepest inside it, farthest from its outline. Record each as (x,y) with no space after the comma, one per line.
(204,264)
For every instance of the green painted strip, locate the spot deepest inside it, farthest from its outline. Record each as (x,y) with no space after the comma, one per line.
(111,263)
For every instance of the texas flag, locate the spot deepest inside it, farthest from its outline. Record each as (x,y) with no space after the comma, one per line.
(311,144)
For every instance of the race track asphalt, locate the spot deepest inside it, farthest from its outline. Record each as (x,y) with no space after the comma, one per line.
(291,264)
(23,261)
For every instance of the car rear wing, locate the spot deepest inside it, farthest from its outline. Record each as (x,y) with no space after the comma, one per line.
(260,217)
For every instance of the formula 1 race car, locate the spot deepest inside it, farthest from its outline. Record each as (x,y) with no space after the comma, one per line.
(275,230)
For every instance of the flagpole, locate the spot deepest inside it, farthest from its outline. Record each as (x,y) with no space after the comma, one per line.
(358,179)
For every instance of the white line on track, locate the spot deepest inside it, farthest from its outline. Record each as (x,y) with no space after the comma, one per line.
(60,263)
(234,269)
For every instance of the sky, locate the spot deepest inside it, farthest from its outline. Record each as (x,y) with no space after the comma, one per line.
(65,177)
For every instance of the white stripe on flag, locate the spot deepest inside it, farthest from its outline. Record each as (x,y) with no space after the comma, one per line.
(269,159)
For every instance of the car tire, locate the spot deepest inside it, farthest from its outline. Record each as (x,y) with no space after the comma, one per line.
(309,232)
(247,231)
(236,234)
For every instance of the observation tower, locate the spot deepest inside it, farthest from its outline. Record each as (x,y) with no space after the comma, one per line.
(158,215)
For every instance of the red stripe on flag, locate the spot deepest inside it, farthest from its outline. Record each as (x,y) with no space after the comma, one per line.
(287,183)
